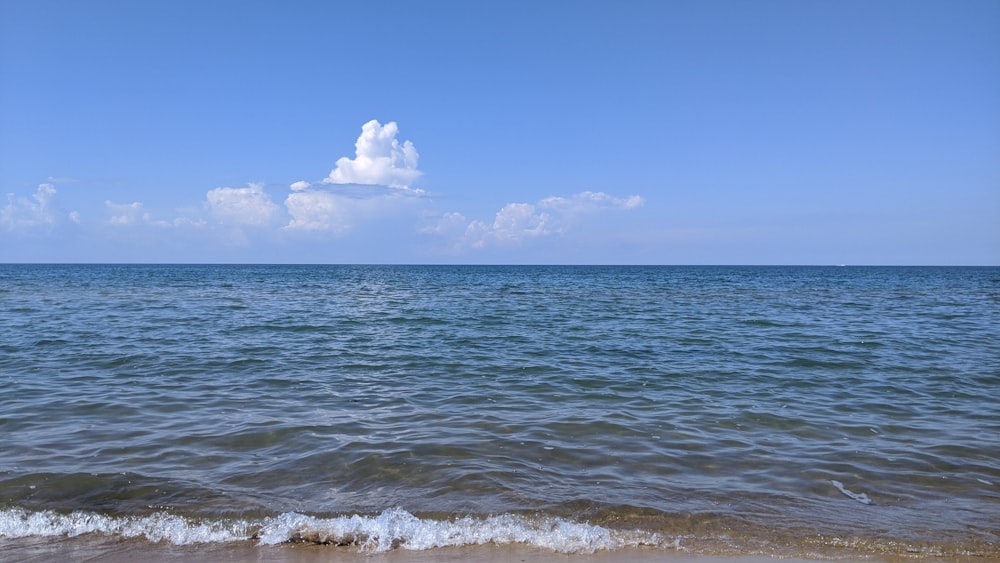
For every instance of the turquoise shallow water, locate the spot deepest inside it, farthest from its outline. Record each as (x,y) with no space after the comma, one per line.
(778,410)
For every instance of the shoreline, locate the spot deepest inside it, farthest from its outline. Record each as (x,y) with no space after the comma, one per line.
(396,535)
(115,550)
(111,549)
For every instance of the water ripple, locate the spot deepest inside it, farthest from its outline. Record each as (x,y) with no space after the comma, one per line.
(741,394)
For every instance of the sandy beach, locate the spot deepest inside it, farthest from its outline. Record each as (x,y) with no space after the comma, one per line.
(114,550)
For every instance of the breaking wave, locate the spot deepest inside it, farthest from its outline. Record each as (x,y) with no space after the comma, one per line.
(392,529)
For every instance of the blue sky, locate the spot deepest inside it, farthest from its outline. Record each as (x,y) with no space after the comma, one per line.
(660,132)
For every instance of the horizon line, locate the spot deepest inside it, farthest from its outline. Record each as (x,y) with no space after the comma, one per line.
(455,264)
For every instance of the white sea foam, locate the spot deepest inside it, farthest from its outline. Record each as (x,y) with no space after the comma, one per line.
(395,528)
(19,523)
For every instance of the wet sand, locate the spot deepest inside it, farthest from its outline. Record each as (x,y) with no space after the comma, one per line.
(94,549)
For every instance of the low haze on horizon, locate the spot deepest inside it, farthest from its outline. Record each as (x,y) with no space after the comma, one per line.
(560,132)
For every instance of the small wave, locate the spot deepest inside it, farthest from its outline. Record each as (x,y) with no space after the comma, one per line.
(392,529)
(20,523)
(860,497)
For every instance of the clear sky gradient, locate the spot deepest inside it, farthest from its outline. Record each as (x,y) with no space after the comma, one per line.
(647,132)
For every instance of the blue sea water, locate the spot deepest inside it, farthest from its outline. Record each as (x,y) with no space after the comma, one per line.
(776,410)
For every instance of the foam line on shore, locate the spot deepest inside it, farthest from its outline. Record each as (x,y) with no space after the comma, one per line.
(392,529)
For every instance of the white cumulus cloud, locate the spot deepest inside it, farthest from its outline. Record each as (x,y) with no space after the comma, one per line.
(379,159)
(249,206)
(318,211)
(516,223)
(373,185)
(135,215)
(123,214)
(342,210)
(21,212)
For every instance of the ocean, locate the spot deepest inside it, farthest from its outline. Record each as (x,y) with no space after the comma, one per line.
(785,411)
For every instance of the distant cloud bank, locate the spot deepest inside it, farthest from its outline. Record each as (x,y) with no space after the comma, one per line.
(374,186)
(249,206)
(516,223)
